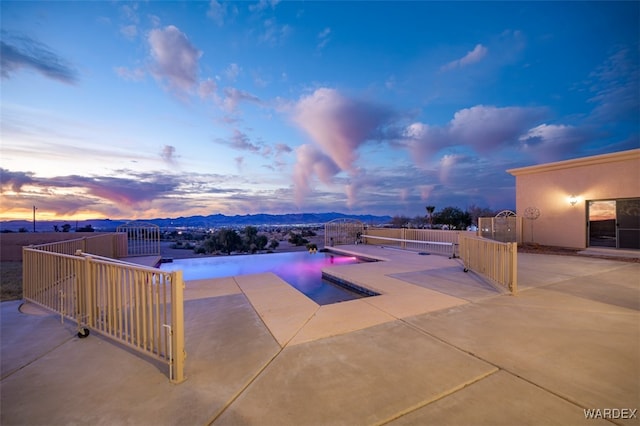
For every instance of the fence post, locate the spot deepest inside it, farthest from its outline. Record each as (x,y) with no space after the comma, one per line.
(513,248)
(88,285)
(177,318)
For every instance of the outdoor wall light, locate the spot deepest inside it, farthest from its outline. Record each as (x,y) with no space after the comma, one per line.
(573,200)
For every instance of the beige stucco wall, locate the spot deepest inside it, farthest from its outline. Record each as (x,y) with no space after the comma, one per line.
(548,187)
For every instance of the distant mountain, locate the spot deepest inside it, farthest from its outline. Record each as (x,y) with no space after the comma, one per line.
(205,222)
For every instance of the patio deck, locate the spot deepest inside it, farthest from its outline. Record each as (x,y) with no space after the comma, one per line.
(437,347)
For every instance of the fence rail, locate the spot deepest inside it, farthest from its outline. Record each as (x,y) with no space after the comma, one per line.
(495,260)
(143,238)
(112,245)
(137,306)
(432,240)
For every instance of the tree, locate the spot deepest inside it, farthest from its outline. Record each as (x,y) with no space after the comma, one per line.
(273,244)
(66,227)
(87,228)
(419,222)
(430,210)
(399,221)
(453,217)
(229,240)
(297,239)
(475,212)
(261,242)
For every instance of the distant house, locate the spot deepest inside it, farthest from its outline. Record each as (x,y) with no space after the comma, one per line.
(580,203)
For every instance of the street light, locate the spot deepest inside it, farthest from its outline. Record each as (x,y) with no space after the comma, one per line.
(34,218)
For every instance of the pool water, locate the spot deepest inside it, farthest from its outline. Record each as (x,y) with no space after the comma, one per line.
(301,270)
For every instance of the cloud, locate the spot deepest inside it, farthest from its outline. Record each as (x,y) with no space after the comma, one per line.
(175,58)
(263,4)
(233,96)
(129,31)
(447,167)
(14,180)
(615,85)
(168,154)
(282,148)
(136,74)
(232,71)
(471,57)
(130,12)
(483,128)
(239,162)
(486,128)
(26,53)
(323,38)
(548,142)
(217,12)
(339,125)
(125,191)
(207,89)
(273,33)
(242,142)
(311,162)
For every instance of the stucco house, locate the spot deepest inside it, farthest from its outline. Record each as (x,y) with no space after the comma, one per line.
(581,203)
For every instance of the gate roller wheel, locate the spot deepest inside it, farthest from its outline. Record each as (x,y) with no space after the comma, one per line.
(84,332)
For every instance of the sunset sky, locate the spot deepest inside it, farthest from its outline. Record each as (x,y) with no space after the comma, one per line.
(164,109)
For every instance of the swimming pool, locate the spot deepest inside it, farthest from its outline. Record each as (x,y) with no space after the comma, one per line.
(301,270)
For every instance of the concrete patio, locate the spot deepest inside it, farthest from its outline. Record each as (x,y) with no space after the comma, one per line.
(438,346)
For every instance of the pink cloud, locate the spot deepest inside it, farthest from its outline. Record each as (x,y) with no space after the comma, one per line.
(311,161)
(207,89)
(339,125)
(487,127)
(482,128)
(175,58)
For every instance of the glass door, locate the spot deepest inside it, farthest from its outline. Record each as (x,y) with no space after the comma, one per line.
(628,225)
(602,223)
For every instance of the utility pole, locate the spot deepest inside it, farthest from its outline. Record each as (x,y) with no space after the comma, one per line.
(34,218)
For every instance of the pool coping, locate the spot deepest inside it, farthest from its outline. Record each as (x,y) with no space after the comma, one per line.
(293,318)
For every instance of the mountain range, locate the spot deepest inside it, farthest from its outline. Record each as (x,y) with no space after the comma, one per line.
(203,222)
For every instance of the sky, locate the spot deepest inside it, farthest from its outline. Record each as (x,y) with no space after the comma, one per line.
(157,109)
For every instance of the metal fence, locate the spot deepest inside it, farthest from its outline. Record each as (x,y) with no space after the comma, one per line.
(343,231)
(430,240)
(495,260)
(143,238)
(107,245)
(507,229)
(140,307)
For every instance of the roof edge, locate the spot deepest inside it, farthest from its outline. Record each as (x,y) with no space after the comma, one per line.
(577,162)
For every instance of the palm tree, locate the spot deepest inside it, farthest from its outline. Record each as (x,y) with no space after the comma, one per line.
(430,210)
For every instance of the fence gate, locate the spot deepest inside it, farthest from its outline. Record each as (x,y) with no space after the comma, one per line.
(143,238)
(342,231)
(505,227)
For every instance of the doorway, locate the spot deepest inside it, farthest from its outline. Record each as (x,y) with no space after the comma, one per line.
(614,223)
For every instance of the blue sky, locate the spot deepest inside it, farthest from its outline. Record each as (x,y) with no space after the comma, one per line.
(167,109)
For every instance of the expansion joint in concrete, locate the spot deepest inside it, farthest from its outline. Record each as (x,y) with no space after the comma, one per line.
(497,368)
(10,373)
